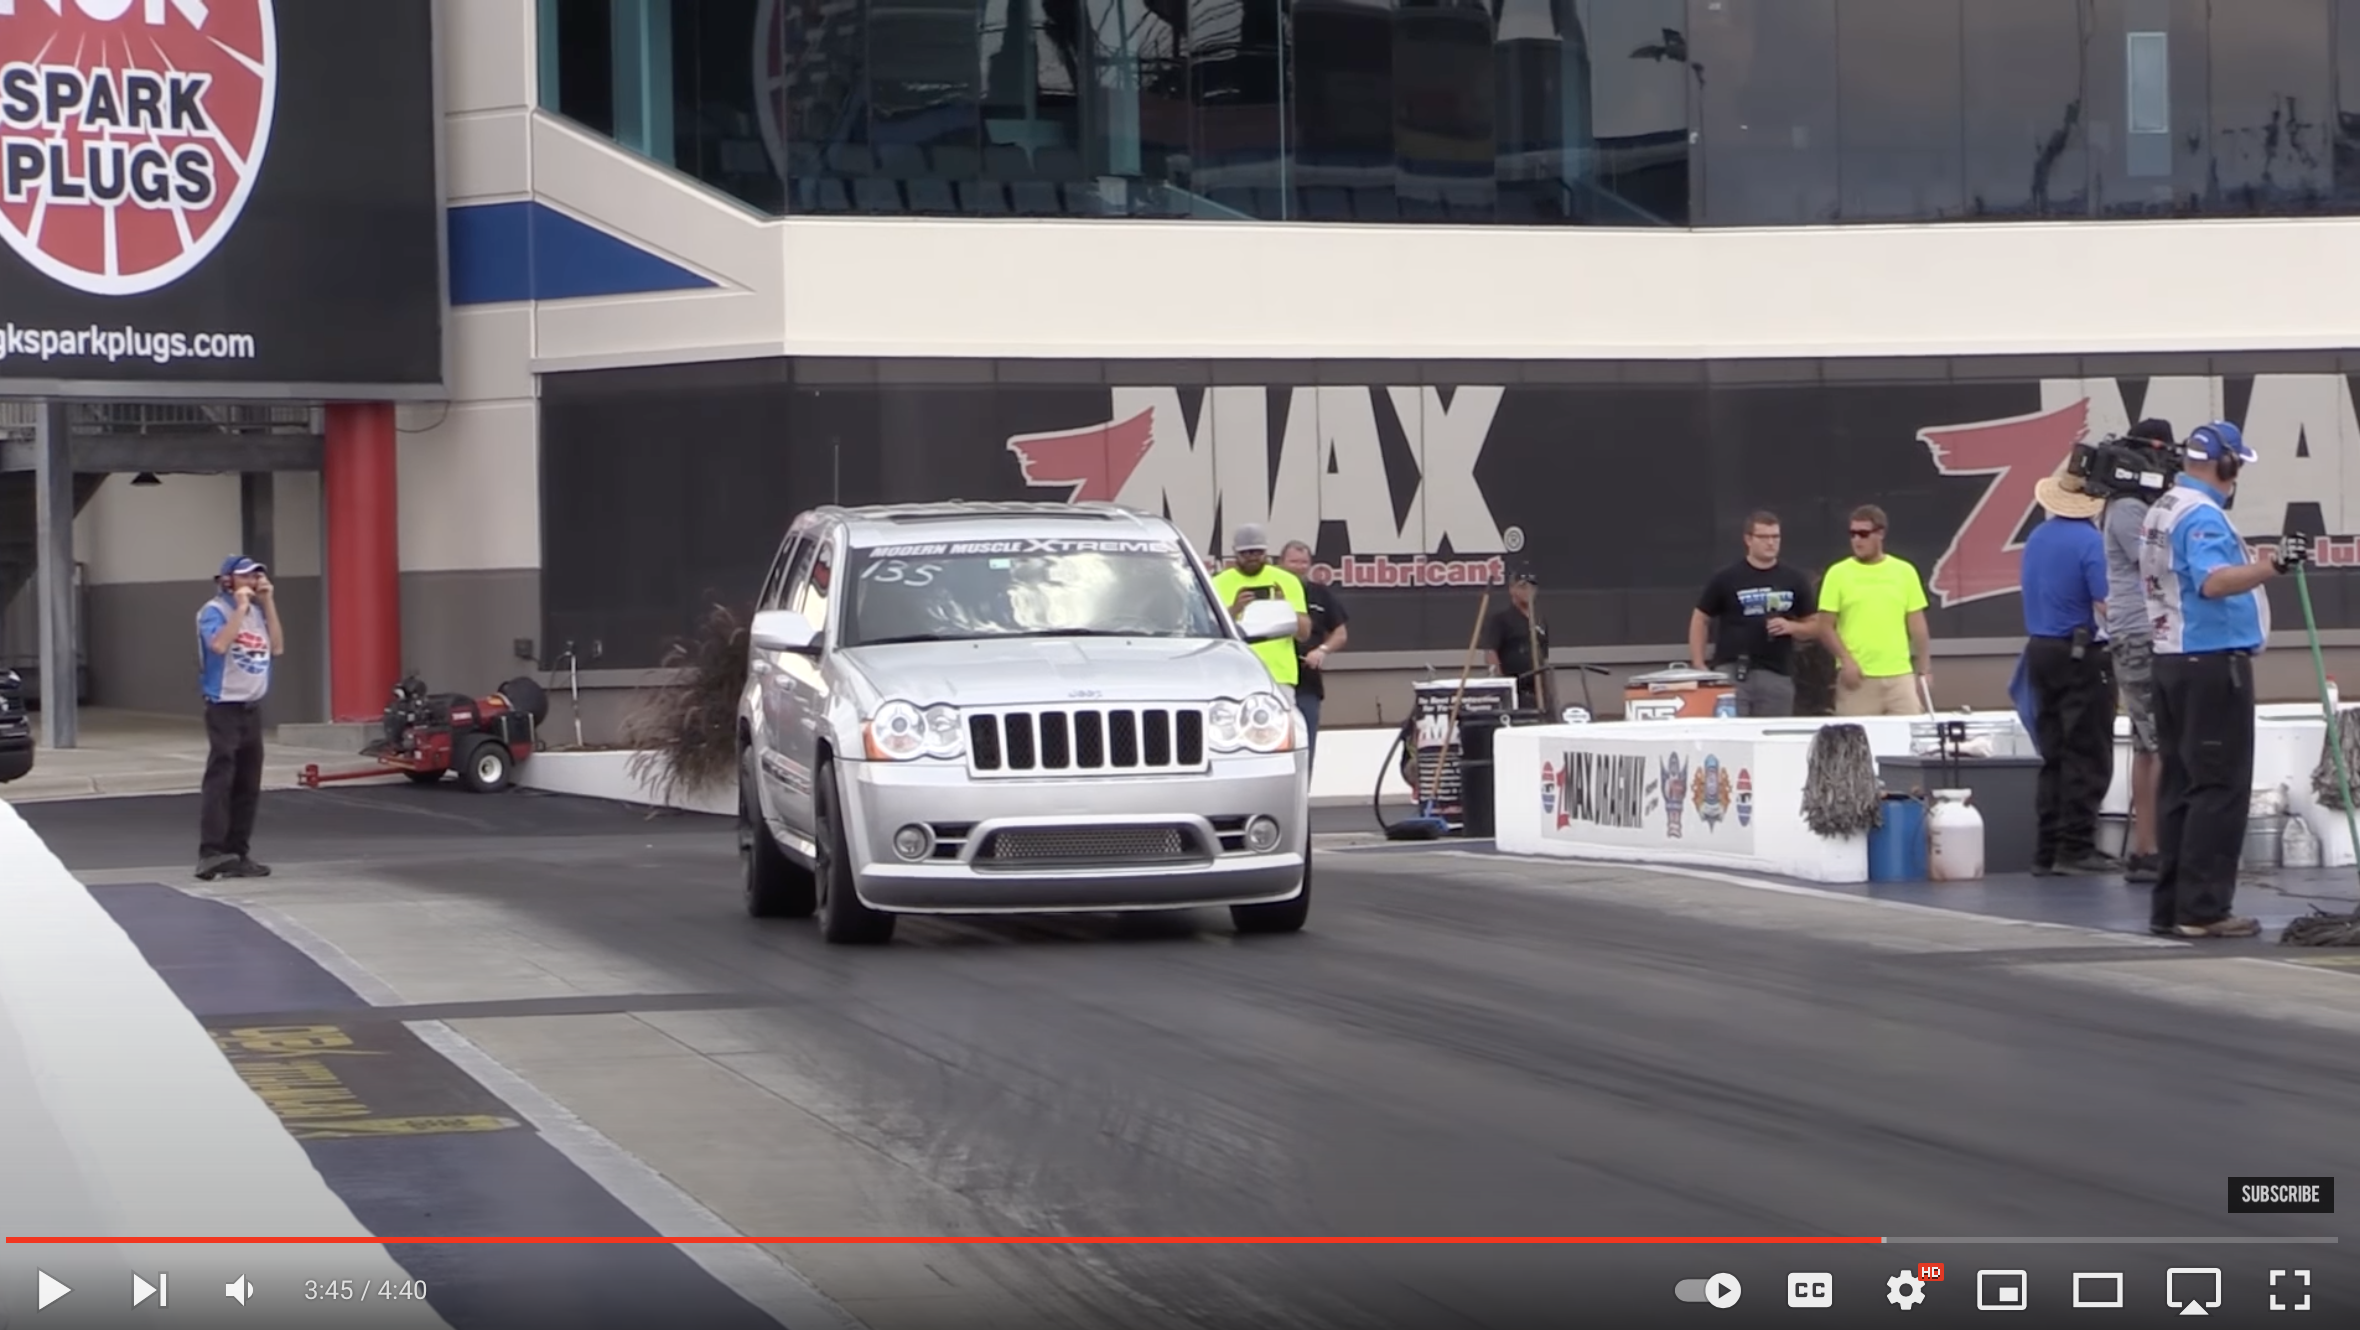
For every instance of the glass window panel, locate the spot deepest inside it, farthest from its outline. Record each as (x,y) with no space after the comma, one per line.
(2347,103)
(1238,124)
(1769,111)
(2147,63)
(2272,107)
(716,122)
(2141,128)
(2024,148)
(823,71)
(1901,102)
(1342,51)
(1133,126)
(584,90)
(1444,101)
(1632,85)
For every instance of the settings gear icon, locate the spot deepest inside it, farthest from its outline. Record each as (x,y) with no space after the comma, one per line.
(1905,1290)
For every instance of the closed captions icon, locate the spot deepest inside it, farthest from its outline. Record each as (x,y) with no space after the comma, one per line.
(1811,1290)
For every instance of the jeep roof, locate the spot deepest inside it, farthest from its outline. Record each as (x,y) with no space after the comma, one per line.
(899,523)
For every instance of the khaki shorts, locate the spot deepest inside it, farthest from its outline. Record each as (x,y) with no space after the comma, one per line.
(2134,672)
(1892,695)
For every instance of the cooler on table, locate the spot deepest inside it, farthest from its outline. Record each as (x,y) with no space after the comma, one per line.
(1677,692)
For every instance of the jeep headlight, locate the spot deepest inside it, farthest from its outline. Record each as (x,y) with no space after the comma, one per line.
(1262,723)
(902,731)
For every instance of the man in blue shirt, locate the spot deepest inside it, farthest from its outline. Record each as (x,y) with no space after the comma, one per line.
(2072,678)
(238,636)
(2210,618)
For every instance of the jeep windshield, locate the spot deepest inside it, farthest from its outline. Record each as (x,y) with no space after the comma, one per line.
(958,591)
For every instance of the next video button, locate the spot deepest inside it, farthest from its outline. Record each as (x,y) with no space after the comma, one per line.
(2282,1196)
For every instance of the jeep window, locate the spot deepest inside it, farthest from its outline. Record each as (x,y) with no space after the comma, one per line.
(963,591)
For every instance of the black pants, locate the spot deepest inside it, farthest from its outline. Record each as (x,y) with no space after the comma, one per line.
(2204,724)
(233,778)
(2076,735)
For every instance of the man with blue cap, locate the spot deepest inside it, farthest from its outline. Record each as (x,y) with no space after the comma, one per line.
(238,637)
(2210,617)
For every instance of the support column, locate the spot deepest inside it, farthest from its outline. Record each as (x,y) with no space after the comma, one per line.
(53,523)
(359,489)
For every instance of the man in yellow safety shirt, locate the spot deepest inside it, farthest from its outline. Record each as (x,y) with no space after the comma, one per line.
(1255,577)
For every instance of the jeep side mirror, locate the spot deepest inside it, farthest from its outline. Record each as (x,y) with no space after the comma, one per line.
(783,630)
(1267,620)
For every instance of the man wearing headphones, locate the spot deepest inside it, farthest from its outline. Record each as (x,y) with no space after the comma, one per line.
(2210,617)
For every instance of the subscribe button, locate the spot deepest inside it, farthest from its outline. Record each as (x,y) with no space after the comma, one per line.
(2282,1196)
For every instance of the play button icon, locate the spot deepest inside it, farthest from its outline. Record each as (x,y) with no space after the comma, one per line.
(51,1288)
(1723,1290)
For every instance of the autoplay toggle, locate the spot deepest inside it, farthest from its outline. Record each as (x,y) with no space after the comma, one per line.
(1720,1290)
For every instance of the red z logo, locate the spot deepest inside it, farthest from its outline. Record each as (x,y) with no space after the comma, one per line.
(1985,558)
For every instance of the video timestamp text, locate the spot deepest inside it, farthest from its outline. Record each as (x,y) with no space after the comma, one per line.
(362,1290)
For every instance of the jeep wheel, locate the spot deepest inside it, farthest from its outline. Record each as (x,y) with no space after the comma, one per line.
(775,886)
(1287,916)
(843,918)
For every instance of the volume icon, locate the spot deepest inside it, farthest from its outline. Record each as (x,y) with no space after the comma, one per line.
(238,1288)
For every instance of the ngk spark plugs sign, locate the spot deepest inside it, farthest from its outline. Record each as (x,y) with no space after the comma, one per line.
(200,191)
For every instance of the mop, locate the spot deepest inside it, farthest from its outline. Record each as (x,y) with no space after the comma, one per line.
(1428,824)
(2319,928)
(1840,794)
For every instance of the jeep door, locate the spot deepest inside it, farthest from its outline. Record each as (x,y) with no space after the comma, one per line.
(797,694)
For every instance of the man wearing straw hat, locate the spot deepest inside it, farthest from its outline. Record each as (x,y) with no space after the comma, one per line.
(2066,662)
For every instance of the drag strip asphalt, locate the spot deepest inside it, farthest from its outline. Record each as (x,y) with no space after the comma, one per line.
(1460,1044)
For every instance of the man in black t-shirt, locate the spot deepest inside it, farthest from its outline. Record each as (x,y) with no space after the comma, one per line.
(1328,634)
(1756,608)
(1516,643)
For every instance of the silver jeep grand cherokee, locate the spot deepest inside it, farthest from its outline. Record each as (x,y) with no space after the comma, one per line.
(997,708)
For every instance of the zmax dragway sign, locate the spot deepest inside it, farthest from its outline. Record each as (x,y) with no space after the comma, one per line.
(131,132)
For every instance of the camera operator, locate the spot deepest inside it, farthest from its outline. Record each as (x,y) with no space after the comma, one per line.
(2066,662)
(2134,476)
(2205,598)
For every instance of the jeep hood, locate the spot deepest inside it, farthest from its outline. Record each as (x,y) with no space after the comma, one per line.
(1048,671)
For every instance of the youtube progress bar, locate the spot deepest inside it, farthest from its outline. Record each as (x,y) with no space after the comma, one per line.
(1095,1241)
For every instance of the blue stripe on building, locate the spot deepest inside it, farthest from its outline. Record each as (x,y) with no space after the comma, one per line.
(529,251)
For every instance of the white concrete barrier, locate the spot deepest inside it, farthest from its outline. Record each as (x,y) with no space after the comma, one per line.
(1663,792)
(119,1117)
(607,775)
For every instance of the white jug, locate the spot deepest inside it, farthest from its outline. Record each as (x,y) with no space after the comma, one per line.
(2298,847)
(1954,836)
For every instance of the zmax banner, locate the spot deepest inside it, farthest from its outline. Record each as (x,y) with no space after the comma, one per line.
(219,191)
(1418,494)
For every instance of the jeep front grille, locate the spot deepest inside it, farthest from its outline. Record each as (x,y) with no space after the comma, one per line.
(1110,740)
(1075,847)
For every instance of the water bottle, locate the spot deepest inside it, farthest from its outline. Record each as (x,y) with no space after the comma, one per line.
(1725,707)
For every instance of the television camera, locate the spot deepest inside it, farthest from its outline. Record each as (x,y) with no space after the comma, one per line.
(2116,467)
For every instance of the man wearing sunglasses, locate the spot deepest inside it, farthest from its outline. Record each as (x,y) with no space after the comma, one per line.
(1872,616)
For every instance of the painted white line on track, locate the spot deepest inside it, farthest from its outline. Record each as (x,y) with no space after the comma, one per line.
(745,1269)
(1826,894)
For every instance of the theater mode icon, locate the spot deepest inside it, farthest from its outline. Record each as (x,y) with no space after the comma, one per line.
(2097,1290)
